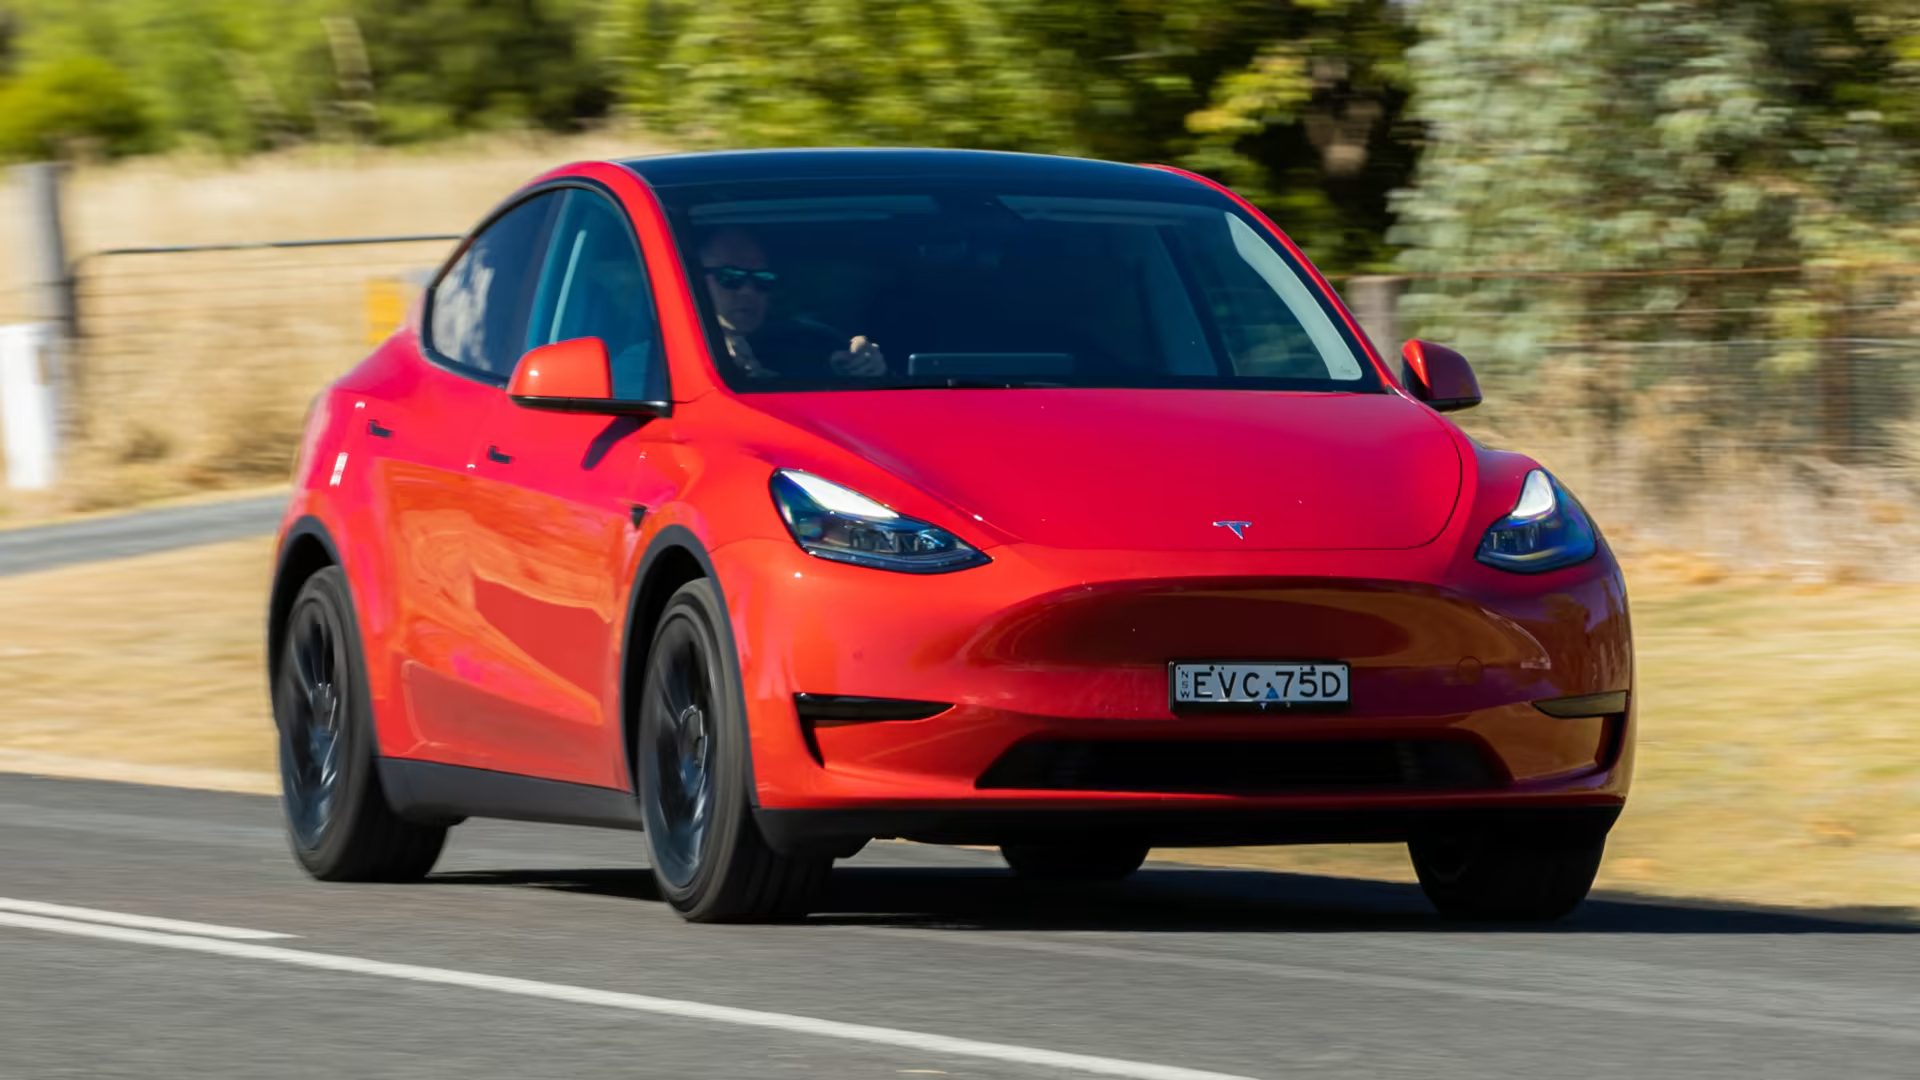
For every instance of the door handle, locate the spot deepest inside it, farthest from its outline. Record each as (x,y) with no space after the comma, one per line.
(375,429)
(494,453)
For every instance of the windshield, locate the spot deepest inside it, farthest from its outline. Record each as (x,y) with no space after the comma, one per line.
(811,285)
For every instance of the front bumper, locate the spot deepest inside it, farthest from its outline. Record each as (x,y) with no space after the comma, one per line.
(1068,651)
(841,832)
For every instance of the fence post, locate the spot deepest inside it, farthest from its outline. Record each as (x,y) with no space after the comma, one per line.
(34,358)
(1375,300)
(1838,430)
(47,269)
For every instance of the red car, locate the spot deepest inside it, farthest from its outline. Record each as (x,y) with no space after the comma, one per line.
(772,502)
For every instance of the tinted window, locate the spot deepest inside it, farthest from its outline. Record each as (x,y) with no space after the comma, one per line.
(479,310)
(595,285)
(948,283)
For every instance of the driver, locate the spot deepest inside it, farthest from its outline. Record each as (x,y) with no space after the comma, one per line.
(740,284)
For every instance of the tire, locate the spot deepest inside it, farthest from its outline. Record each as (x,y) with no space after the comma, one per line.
(694,777)
(339,823)
(1513,878)
(1094,859)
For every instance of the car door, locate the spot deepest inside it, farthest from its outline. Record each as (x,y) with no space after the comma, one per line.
(425,436)
(558,500)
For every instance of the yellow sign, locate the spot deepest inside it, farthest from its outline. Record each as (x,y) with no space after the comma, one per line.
(386,306)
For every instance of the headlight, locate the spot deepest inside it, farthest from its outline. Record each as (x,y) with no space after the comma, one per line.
(1545,530)
(838,523)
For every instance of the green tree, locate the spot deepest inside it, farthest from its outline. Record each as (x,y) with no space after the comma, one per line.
(245,75)
(9,30)
(1302,114)
(1625,135)
(1628,139)
(236,74)
(786,72)
(1294,101)
(442,66)
(78,103)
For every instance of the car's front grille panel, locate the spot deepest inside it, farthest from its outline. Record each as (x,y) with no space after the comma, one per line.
(1241,767)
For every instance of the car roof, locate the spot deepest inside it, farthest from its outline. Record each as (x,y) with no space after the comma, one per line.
(723,166)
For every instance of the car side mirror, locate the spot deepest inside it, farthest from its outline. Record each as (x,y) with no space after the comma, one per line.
(574,376)
(1438,376)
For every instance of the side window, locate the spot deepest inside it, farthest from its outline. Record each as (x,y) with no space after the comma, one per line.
(479,317)
(594,284)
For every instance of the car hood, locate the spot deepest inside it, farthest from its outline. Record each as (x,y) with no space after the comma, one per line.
(1157,469)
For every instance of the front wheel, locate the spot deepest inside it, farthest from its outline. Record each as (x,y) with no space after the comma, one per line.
(1518,878)
(708,856)
(1089,860)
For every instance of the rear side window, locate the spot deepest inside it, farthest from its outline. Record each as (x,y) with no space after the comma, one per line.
(594,284)
(480,305)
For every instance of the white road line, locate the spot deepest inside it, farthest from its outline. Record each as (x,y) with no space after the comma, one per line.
(918,1041)
(141,922)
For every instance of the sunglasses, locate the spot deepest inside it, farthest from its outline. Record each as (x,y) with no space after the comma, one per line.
(731,278)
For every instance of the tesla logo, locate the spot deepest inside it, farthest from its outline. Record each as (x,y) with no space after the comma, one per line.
(1239,527)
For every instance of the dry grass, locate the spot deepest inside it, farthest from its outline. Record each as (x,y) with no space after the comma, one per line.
(1779,762)
(155,660)
(1664,467)
(195,369)
(312,191)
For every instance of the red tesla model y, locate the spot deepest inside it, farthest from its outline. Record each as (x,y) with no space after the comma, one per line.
(772,502)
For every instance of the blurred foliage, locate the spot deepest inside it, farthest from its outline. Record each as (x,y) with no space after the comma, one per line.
(1293,102)
(1547,134)
(77,100)
(439,66)
(230,73)
(1655,134)
(243,75)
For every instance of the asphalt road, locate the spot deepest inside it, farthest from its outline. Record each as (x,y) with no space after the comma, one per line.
(140,532)
(538,951)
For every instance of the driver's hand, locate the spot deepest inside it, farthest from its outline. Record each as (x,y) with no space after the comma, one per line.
(860,357)
(742,352)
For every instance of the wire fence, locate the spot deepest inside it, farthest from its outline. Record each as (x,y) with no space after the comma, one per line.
(293,294)
(197,363)
(1765,416)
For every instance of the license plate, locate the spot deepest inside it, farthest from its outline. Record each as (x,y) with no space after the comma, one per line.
(1259,686)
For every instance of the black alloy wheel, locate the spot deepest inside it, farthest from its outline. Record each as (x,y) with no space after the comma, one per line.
(676,761)
(313,724)
(339,823)
(694,774)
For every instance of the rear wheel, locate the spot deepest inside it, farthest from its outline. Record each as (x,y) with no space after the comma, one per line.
(339,823)
(1093,859)
(1521,878)
(708,856)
